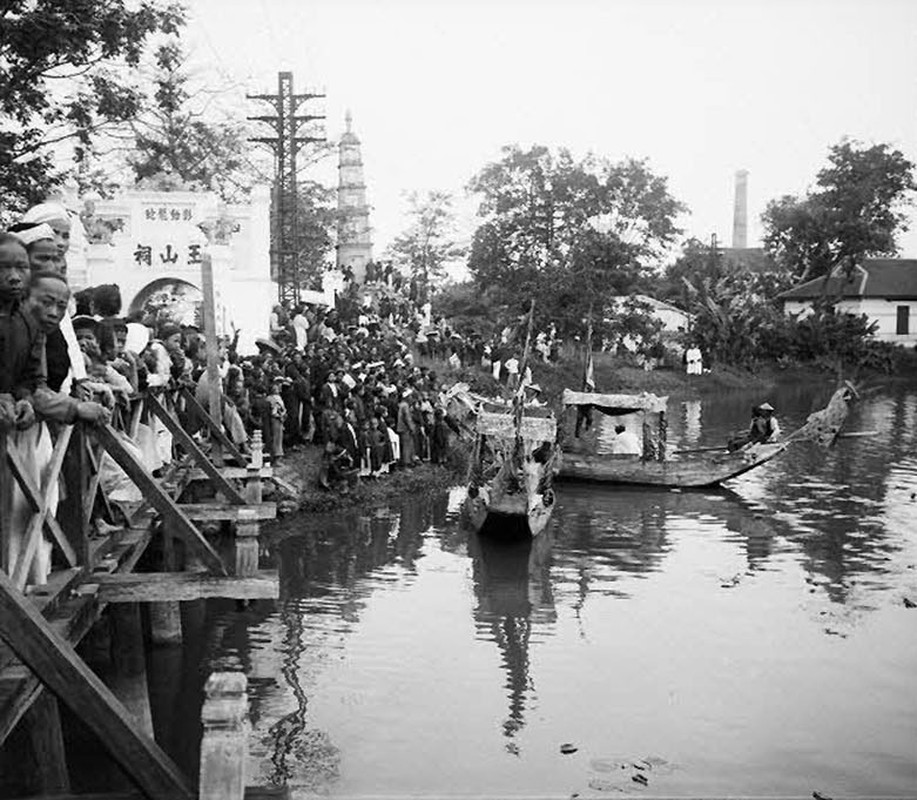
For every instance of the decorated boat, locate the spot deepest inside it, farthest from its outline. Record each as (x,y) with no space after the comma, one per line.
(511,475)
(656,464)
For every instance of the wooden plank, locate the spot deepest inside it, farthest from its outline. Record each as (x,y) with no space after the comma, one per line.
(71,616)
(47,739)
(34,498)
(267,792)
(173,482)
(95,464)
(61,669)
(6,504)
(235,473)
(60,582)
(128,679)
(164,504)
(92,796)
(185,440)
(217,432)
(71,512)
(217,512)
(37,523)
(146,587)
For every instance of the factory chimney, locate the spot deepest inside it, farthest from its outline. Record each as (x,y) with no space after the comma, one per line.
(740,211)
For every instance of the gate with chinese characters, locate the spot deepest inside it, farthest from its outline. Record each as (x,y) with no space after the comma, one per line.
(142,239)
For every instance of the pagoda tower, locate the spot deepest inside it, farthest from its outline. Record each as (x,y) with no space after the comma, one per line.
(354,247)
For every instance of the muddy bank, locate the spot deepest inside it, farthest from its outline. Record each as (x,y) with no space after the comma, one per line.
(301,493)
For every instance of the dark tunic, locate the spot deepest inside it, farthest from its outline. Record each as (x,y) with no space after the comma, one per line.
(21,355)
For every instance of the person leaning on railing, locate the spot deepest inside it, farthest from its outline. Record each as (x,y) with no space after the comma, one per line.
(46,305)
(21,345)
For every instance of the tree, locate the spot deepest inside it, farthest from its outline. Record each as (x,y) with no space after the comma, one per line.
(317,218)
(572,234)
(60,84)
(180,140)
(855,211)
(428,244)
(698,260)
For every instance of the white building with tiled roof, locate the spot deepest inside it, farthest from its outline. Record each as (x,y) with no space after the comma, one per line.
(884,289)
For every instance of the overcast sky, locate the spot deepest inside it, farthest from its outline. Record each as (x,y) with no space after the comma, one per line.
(700,88)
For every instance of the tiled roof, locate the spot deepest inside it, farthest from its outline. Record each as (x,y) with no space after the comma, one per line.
(874,277)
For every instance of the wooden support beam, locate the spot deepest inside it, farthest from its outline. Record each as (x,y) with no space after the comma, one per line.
(229,449)
(128,681)
(92,796)
(165,615)
(95,464)
(185,440)
(215,512)
(59,667)
(71,612)
(39,522)
(234,473)
(35,499)
(172,513)
(47,741)
(147,587)
(71,510)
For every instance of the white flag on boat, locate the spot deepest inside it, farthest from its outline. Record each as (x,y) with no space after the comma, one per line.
(589,375)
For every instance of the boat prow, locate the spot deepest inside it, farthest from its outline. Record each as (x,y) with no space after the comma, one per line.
(510,490)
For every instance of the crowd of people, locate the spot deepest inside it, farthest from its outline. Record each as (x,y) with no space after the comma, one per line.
(344,379)
(340,378)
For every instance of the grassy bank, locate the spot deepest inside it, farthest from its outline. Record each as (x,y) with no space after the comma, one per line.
(613,374)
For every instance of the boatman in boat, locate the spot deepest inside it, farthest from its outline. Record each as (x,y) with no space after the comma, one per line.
(764,425)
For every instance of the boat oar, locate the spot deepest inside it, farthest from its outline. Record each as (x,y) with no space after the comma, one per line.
(700,450)
(842,435)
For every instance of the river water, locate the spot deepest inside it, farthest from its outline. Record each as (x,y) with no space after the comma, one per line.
(750,641)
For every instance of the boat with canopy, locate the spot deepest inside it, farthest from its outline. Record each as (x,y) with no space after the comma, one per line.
(657,465)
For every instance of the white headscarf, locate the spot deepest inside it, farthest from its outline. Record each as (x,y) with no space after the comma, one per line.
(138,337)
(35,233)
(45,212)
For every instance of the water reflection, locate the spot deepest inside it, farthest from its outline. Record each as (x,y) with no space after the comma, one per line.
(716,629)
(512,590)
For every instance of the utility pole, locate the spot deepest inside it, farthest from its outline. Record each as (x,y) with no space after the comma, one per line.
(286,246)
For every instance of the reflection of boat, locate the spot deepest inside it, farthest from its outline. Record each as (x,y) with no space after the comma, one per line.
(657,466)
(510,488)
(512,588)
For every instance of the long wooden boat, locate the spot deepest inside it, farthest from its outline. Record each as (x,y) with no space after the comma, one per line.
(656,466)
(692,471)
(510,485)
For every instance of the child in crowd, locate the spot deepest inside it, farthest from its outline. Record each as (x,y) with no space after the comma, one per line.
(278,412)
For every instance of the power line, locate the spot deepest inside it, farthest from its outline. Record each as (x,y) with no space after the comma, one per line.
(286,122)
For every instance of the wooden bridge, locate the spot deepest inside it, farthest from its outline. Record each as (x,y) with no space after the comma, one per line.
(42,625)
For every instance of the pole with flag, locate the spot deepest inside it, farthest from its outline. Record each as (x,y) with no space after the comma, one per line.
(589,367)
